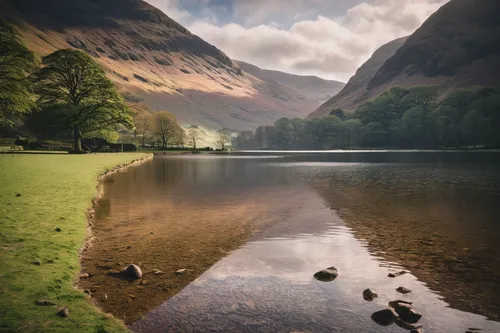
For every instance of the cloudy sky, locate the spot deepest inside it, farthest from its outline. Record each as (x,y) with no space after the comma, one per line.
(328,38)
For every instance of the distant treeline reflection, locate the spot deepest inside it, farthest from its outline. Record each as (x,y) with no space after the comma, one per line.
(397,118)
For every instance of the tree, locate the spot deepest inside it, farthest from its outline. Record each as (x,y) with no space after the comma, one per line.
(166,127)
(224,137)
(16,62)
(194,135)
(143,127)
(352,138)
(73,85)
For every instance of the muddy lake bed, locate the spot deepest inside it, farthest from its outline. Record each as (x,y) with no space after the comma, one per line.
(249,231)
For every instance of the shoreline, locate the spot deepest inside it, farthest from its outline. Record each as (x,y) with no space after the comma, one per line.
(90,215)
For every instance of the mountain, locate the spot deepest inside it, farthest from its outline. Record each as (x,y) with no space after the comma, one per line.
(155,62)
(355,91)
(312,87)
(458,46)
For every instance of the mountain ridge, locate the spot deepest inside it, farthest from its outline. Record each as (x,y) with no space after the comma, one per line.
(156,61)
(311,86)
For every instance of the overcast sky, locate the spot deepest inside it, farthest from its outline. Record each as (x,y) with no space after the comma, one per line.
(328,38)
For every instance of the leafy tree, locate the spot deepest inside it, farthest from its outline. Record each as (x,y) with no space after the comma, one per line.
(16,62)
(72,85)
(352,136)
(224,137)
(374,135)
(194,135)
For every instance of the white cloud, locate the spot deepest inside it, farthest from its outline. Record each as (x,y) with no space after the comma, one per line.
(331,47)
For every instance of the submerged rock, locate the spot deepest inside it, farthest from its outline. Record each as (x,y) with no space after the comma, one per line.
(63,312)
(406,313)
(385,317)
(132,272)
(327,275)
(369,295)
(396,303)
(403,290)
(396,274)
(407,326)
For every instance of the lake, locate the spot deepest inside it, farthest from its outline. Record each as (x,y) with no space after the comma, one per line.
(249,231)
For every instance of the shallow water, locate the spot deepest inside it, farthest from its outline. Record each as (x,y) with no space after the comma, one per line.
(366,213)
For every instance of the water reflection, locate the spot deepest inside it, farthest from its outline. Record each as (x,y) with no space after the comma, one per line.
(267,286)
(302,213)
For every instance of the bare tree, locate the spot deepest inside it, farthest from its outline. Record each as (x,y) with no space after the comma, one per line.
(166,127)
(143,127)
(194,135)
(224,138)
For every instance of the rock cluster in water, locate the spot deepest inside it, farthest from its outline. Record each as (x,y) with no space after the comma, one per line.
(401,313)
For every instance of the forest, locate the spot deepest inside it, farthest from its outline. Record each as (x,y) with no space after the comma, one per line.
(411,118)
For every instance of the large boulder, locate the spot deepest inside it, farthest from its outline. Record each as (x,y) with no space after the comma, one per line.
(327,275)
(133,272)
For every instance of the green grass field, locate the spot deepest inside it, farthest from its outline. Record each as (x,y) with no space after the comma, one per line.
(56,191)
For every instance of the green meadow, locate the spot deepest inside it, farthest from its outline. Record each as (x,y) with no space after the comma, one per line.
(39,194)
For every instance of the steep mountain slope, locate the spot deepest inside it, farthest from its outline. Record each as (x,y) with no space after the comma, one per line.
(459,45)
(355,92)
(312,87)
(155,61)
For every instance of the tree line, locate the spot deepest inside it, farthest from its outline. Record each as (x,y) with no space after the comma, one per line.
(68,95)
(398,118)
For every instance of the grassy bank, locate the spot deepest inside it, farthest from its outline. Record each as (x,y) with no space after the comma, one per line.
(36,261)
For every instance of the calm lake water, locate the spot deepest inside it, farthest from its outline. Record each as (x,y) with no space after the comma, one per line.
(289,215)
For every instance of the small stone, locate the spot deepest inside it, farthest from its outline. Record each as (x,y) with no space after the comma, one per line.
(44,302)
(327,275)
(18,195)
(396,274)
(132,272)
(85,276)
(181,271)
(129,247)
(88,292)
(403,290)
(131,296)
(63,312)
(143,282)
(50,261)
(37,262)
(369,295)
(385,317)
(418,330)
(58,229)
(157,272)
